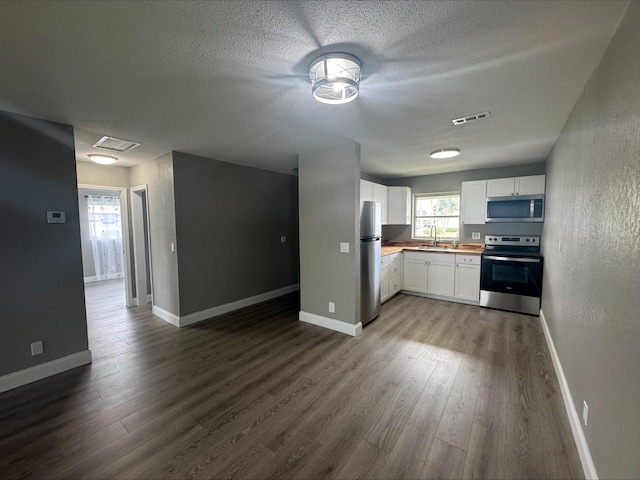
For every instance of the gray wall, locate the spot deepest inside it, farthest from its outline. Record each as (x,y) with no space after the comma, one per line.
(41,283)
(452,182)
(591,291)
(229,220)
(329,186)
(158,176)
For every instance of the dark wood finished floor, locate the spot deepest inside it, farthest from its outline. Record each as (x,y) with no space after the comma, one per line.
(431,389)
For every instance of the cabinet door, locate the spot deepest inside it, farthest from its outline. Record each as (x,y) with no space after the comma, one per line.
(468,282)
(380,195)
(531,185)
(415,275)
(366,191)
(441,279)
(474,205)
(500,187)
(384,283)
(399,206)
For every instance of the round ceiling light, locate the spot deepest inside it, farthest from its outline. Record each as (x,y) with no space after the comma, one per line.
(446,153)
(335,78)
(103,159)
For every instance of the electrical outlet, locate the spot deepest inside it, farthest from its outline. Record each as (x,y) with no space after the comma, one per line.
(173,247)
(585,413)
(344,247)
(332,307)
(283,239)
(37,348)
(475,235)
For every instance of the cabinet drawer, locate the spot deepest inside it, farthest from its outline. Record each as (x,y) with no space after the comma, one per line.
(395,259)
(395,270)
(395,285)
(430,257)
(468,259)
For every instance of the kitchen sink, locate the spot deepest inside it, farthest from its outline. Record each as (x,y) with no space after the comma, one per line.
(435,249)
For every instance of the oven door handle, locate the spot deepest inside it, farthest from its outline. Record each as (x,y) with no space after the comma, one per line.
(512,259)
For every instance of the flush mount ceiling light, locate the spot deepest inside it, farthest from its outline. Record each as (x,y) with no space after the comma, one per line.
(102,159)
(445,153)
(335,78)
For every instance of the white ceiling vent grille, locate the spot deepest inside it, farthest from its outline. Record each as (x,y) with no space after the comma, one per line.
(470,118)
(115,144)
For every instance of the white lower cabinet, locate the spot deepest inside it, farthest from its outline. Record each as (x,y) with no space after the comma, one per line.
(415,272)
(390,275)
(384,279)
(468,277)
(395,273)
(432,273)
(442,275)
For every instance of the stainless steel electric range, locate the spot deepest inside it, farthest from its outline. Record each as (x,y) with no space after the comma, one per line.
(511,274)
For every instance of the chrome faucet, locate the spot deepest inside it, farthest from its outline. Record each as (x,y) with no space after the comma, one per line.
(433,232)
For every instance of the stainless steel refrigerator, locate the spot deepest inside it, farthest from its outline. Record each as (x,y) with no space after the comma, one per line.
(370,240)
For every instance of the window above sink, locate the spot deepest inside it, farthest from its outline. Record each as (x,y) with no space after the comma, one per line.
(436,216)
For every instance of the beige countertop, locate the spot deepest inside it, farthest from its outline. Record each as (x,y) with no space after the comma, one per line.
(463,249)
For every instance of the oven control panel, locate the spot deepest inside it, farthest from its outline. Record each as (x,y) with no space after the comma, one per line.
(516,241)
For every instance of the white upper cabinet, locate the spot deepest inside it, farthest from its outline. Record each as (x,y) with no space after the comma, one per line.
(473,202)
(532,185)
(399,208)
(380,195)
(374,192)
(366,191)
(500,187)
(505,187)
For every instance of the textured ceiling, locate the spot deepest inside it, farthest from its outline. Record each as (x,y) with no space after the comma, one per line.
(228,79)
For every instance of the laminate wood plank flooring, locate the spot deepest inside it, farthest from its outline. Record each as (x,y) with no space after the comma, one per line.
(431,389)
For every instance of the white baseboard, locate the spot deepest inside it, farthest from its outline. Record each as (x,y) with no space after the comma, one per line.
(166,316)
(574,419)
(331,323)
(90,279)
(44,370)
(202,315)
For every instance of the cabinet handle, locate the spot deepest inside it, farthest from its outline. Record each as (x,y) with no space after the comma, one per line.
(468,260)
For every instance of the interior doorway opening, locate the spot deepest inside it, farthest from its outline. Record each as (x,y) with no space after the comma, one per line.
(142,284)
(98,232)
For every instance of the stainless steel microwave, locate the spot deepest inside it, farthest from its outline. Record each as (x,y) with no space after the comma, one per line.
(525,208)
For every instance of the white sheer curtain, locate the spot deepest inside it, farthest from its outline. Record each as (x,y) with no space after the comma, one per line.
(105,230)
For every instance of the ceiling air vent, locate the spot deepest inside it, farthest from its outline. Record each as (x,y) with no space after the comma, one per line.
(115,144)
(470,118)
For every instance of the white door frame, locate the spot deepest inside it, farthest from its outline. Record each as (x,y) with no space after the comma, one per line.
(141,258)
(124,217)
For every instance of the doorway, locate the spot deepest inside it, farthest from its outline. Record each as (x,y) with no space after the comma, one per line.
(134,245)
(141,246)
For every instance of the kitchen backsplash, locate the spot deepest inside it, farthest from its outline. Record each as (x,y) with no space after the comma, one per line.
(402,233)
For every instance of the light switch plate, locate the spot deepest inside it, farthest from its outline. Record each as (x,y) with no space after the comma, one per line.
(344,247)
(475,235)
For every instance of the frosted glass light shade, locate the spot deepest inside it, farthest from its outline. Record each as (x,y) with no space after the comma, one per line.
(102,159)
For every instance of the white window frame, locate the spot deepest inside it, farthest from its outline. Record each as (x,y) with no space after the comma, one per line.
(414,215)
